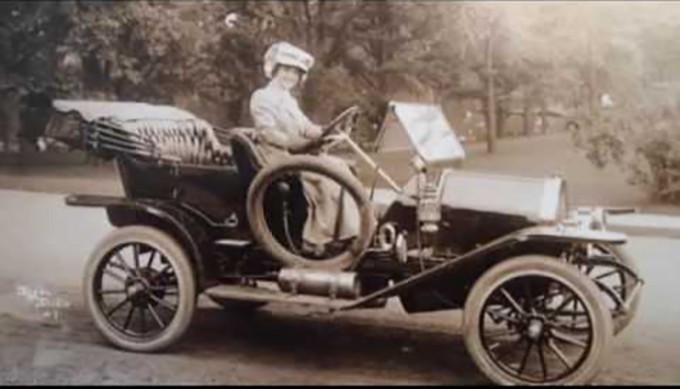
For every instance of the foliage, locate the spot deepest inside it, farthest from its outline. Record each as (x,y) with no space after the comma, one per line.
(650,150)
(28,31)
(207,57)
(657,165)
(640,131)
(210,52)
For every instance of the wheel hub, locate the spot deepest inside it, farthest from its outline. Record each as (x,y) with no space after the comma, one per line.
(139,288)
(535,328)
(136,290)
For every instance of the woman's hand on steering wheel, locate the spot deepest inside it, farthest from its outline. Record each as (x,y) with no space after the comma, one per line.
(345,120)
(314,131)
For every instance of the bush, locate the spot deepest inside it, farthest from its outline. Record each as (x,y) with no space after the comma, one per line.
(656,163)
(645,144)
(604,147)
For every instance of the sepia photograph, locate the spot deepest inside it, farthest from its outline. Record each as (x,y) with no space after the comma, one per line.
(339,192)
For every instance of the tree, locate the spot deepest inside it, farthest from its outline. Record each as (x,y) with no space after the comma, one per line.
(29,33)
(626,54)
(481,29)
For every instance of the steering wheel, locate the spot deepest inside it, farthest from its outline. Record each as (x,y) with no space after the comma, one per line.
(344,122)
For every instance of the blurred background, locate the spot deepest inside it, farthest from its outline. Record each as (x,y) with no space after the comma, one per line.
(606,73)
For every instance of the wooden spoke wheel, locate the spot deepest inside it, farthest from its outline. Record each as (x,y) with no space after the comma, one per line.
(520,325)
(140,289)
(615,283)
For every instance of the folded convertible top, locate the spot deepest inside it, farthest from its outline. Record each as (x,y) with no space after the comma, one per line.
(121,110)
(110,128)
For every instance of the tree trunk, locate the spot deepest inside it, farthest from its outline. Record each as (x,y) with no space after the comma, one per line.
(527,119)
(590,81)
(309,28)
(491,98)
(544,117)
(500,121)
(320,30)
(10,120)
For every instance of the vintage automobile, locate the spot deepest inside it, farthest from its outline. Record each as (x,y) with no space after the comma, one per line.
(543,288)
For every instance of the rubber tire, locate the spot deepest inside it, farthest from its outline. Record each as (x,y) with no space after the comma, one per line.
(174,253)
(264,237)
(538,265)
(622,321)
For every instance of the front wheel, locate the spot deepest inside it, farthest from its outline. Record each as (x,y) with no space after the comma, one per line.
(140,289)
(520,325)
(616,284)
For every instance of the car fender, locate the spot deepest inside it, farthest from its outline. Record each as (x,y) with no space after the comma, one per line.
(483,256)
(190,232)
(188,229)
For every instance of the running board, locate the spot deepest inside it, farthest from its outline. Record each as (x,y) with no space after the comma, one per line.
(265,295)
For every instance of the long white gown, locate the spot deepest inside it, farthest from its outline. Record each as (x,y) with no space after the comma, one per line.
(281,122)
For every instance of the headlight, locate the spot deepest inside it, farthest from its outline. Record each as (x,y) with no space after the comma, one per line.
(588,218)
(598,219)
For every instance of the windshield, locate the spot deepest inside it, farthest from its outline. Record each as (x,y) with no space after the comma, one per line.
(429,132)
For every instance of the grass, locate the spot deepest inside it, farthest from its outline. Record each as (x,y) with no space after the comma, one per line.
(542,156)
(536,157)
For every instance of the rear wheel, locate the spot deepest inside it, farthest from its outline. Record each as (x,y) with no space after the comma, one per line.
(520,327)
(140,289)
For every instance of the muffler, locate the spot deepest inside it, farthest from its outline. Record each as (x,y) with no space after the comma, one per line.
(333,284)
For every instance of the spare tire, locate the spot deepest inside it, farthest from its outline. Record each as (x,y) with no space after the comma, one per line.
(262,234)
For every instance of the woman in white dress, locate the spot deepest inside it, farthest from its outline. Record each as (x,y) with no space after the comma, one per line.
(282,126)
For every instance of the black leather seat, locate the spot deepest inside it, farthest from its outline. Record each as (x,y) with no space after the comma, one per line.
(288,193)
(246,156)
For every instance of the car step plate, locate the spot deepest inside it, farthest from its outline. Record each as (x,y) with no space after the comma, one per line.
(261,294)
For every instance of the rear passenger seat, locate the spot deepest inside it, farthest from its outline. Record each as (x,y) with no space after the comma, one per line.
(191,141)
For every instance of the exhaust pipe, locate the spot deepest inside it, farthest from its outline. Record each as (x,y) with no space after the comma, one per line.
(333,284)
